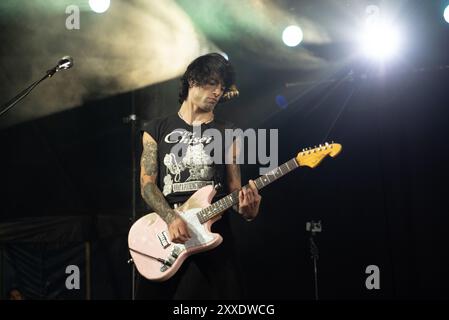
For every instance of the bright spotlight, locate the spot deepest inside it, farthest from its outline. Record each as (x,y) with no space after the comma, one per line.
(446,14)
(380,41)
(292,36)
(99,6)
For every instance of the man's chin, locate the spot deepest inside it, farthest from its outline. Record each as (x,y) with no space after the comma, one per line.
(207,107)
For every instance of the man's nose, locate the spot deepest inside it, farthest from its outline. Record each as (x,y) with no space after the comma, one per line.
(217,91)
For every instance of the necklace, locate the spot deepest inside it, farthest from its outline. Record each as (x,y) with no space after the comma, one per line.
(206,122)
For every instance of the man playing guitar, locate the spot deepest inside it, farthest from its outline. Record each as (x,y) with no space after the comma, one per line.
(167,181)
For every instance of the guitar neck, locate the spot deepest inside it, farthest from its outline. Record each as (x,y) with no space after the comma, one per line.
(233,198)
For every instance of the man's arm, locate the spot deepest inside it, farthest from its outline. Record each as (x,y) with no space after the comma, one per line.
(249,198)
(153,196)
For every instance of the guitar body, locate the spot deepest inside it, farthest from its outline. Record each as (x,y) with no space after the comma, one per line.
(148,239)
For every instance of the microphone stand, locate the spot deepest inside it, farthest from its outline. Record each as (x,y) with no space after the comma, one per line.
(7,106)
(131,119)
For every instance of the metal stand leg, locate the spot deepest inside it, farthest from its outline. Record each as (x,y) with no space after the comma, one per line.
(132,118)
(314,227)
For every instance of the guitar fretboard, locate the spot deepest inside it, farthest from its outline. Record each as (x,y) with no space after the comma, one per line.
(233,198)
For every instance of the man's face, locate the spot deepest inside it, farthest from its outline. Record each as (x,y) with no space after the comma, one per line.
(206,96)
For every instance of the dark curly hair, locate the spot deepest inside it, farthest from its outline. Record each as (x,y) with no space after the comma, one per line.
(201,70)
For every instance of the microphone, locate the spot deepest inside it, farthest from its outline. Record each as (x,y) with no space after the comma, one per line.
(64,63)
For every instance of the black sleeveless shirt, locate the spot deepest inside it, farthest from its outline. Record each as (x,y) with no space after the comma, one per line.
(189,157)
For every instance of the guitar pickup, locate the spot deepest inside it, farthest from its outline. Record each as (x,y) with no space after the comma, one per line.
(163,239)
(166,264)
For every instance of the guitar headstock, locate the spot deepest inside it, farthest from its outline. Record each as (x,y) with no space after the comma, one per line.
(312,157)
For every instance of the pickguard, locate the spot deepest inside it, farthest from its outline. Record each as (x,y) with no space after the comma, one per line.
(199,235)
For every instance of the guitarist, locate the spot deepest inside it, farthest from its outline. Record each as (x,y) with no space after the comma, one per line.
(168,180)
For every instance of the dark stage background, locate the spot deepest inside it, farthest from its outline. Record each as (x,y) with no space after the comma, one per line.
(67,183)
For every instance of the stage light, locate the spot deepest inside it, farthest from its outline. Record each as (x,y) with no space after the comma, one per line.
(292,36)
(99,6)
(380,41)
(446,14)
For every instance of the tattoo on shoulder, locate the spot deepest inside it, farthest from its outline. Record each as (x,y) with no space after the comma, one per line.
(150,192)
(149,158)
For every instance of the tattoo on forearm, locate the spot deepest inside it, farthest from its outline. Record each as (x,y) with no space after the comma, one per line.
(154,197)
(234,175)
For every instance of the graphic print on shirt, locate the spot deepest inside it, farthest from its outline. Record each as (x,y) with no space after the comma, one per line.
(192,171)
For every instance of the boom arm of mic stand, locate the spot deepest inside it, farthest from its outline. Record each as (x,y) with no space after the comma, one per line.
(11,103)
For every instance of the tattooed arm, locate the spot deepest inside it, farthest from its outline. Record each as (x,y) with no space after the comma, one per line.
(249,198)
(153,196)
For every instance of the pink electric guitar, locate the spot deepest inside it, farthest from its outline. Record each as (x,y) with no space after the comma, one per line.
(157,259)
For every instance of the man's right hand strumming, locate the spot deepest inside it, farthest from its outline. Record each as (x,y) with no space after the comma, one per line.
(178,230)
